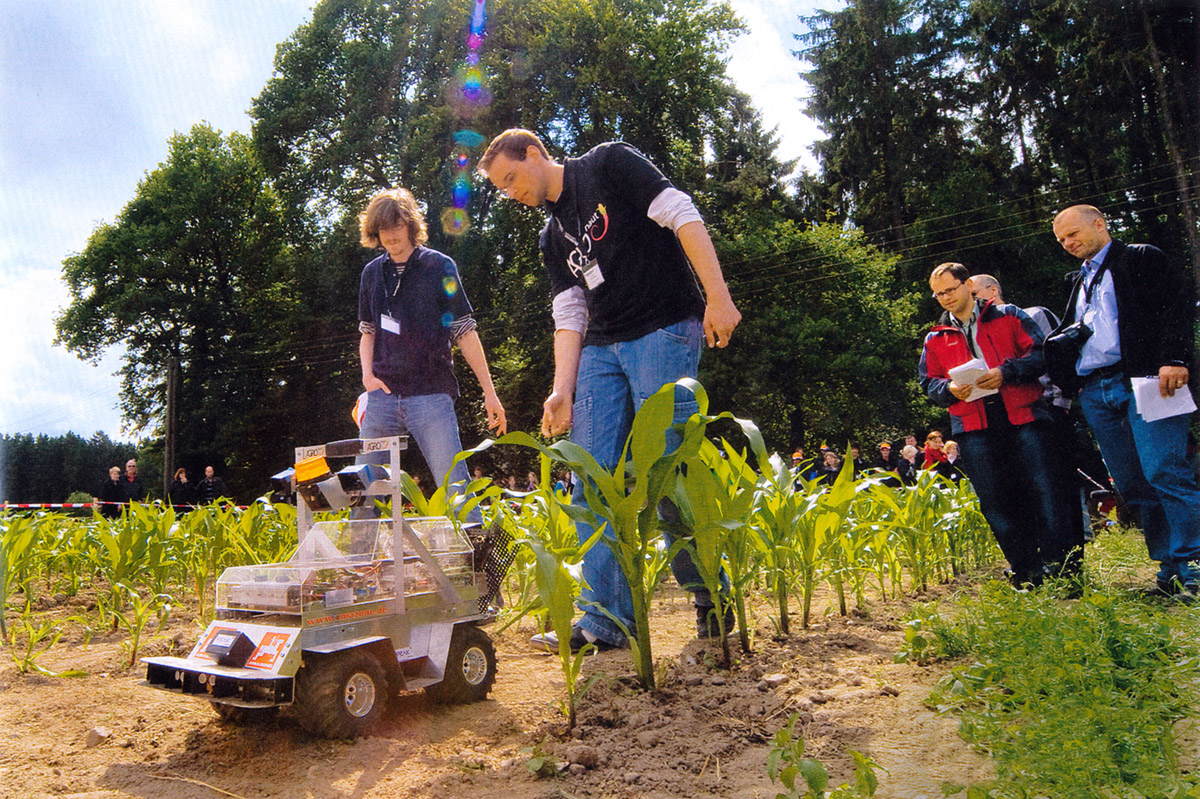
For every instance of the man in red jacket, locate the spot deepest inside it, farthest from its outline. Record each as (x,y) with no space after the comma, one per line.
(1004,437)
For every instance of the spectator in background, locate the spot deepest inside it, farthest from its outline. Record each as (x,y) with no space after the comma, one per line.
(860,463)
(131,487)
(211,488)
(180,495)
(985,288)
(1140,306)
(884,459)
(803,469)
(949,467)
(1007,447)
(112,495)
(1072,490)
(934,449)
(831,465)
(531,481)
(906,467)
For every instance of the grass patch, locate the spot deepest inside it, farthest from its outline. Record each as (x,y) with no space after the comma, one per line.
(1072,698)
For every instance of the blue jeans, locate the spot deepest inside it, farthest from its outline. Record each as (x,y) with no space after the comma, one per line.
(1148,464)
(432,423)
(614,380)
(1014,470)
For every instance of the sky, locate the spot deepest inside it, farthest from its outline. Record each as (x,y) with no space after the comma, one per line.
(90,93)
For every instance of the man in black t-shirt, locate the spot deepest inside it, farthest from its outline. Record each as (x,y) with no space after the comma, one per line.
(623,248)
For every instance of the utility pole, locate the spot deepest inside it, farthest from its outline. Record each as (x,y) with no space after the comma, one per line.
(169,444)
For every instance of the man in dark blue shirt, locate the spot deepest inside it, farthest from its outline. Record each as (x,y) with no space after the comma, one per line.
(411,306)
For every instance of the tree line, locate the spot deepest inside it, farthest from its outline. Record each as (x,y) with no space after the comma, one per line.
(952,131)
(52,468)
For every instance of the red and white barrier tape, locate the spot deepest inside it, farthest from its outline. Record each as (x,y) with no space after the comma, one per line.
(57,505)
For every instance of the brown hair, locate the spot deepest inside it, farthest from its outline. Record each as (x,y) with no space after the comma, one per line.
(389,209)
(956,271)
(512,143)
(933,434)
(180,471)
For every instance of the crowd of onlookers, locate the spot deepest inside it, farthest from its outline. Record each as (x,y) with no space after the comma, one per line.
(121,489)
(903,462)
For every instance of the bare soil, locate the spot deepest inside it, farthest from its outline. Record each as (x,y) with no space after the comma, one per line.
(705,733)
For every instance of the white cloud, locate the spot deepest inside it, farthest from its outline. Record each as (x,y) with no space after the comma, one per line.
(91,94)
(46,389)
(762,65)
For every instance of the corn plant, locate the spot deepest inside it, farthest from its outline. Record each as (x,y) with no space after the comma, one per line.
(38,640)
(134,619)
(17,550)
(820,523)
(205,533)
(627,510)
(124,548)
(66,555)
(914,513)
(855,555)
(715,498)
(539,514)
(453,505)
(776,516)
(263,533)
(558,590)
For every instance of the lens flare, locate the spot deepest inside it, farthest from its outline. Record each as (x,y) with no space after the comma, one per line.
(450,286)
(467,95)
(468,138)
(455,221)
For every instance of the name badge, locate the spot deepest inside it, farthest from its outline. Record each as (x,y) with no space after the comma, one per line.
(389,323)
(592,275)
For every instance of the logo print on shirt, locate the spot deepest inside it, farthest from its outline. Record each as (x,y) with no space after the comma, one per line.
(580,259)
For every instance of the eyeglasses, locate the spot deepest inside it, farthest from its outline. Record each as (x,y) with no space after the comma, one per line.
(937,295)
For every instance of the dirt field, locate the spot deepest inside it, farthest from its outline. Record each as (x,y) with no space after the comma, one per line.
(705,733)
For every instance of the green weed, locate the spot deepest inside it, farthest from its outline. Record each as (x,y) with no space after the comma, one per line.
(806,778)
(1073,699)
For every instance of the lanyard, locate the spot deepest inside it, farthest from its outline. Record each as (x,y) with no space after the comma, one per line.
(1095,281)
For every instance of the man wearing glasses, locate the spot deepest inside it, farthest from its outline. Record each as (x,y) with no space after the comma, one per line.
(1005,436)
(624,250)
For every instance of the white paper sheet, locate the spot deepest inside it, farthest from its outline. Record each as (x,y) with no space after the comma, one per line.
(966,374)
(1152,406)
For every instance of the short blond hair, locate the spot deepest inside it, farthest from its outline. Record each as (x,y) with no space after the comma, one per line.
(388,209)
(513,143)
